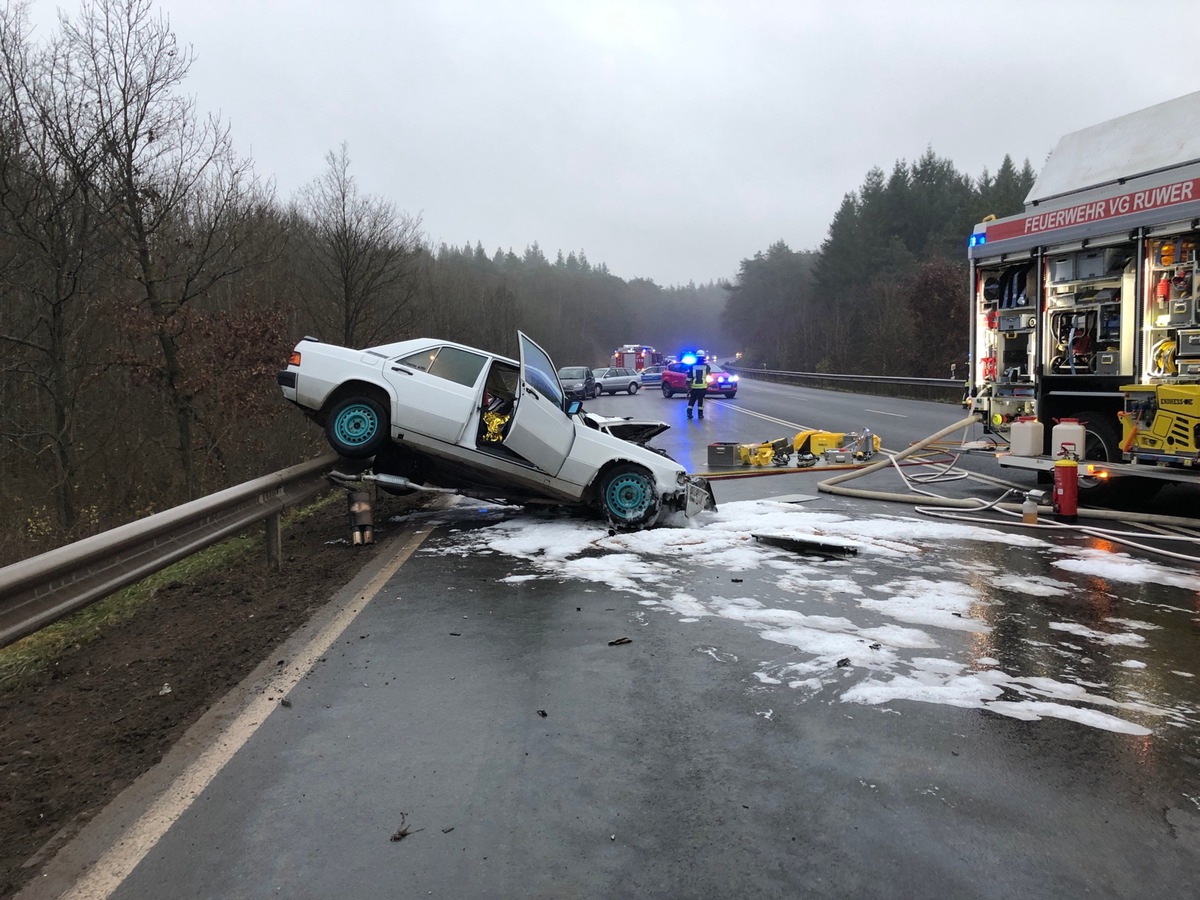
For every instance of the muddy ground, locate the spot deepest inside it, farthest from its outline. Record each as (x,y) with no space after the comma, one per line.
(76,735)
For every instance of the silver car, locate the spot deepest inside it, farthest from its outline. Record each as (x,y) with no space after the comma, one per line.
(578,383)
(615,379)
(433,414)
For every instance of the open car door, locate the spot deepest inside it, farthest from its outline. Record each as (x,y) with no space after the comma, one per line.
(540,430)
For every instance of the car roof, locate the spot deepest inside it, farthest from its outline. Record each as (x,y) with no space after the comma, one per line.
(403,348)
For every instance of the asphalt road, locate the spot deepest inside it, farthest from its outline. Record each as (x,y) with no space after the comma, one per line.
(958,710)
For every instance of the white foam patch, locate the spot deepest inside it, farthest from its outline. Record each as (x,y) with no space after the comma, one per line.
(1033,585)
(1035,712)
(1135,624)
(1120,567)
(942,604)
(941,600)
(1116,640)
(940,681)
(1132,664)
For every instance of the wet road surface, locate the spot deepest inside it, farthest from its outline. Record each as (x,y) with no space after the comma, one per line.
(533,707)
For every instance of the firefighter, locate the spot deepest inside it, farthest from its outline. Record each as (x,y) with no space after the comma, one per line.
(697,385)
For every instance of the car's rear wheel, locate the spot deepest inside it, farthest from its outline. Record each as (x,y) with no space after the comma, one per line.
(667,392)
(628,497)
(357,427)
(633,387)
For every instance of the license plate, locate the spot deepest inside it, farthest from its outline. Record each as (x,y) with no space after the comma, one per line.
(698,497)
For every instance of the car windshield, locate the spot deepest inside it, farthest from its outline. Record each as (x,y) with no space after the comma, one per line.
(573,372)
(599,373)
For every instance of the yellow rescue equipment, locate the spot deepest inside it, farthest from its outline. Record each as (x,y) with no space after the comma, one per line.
(835,446)
(1161,423)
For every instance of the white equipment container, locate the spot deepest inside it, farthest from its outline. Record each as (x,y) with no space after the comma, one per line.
(1068,431)
(1025,437)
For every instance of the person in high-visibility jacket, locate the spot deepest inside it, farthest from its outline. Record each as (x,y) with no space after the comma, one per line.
(697,385)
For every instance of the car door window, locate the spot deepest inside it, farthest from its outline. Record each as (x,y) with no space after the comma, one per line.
(452,363)
(539,373)
(434,391)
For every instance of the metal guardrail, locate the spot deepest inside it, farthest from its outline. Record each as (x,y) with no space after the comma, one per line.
(43,589)
(945,390)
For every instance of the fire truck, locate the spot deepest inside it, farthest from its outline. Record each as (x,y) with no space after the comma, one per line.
(636,356)
(1084,305)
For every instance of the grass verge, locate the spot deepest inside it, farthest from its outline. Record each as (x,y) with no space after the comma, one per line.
(34,653)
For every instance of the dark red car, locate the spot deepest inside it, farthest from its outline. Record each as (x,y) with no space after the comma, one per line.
(720,382)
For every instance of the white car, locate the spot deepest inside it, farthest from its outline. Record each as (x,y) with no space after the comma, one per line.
(615,378)
(440,414)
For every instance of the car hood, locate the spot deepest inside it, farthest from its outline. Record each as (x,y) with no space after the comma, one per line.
(637,431)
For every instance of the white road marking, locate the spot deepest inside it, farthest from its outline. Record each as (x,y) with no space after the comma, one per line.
(880,412)
(119,860)
(757,415)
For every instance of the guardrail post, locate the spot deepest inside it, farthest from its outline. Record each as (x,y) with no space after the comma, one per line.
(274,542)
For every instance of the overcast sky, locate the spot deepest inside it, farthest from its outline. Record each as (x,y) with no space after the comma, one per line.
(669,140)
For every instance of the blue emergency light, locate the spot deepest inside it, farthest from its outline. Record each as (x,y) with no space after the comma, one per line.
(688,359)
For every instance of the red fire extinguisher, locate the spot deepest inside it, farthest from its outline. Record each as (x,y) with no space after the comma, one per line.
(1066,485)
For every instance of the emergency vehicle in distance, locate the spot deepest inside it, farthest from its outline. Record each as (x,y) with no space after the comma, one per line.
(636,357)
(1084,306)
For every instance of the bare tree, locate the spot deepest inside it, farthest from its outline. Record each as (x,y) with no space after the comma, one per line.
(178,198)
(363,258)
(53,241)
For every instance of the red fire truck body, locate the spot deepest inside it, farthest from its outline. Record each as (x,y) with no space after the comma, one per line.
(1084,306)
(636,356)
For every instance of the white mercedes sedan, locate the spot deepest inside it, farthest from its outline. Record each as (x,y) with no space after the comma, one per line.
(435,414)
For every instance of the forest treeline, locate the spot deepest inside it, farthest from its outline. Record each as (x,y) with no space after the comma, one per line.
(151,283)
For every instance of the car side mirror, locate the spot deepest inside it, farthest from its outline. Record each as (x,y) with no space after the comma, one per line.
(573,407)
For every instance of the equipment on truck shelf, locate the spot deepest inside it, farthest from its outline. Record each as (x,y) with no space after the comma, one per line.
(1085,306)
(1161,423)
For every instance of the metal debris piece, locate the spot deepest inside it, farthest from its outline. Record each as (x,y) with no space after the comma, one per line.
(285,702)
(829,549)
(619,641)
(543,713)
(843,662)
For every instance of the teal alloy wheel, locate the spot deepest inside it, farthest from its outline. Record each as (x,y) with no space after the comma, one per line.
(357,427)
(628,497)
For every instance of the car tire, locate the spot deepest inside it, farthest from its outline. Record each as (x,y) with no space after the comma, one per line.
(357,427)
(628,498)
(633,387)
(667,392)
(729,395)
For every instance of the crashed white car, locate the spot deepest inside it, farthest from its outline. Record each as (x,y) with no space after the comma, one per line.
(438,414)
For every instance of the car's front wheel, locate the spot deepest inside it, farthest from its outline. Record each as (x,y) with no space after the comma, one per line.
(667,392)
(633,387)
(729,395)
(628,497)
(357,427)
